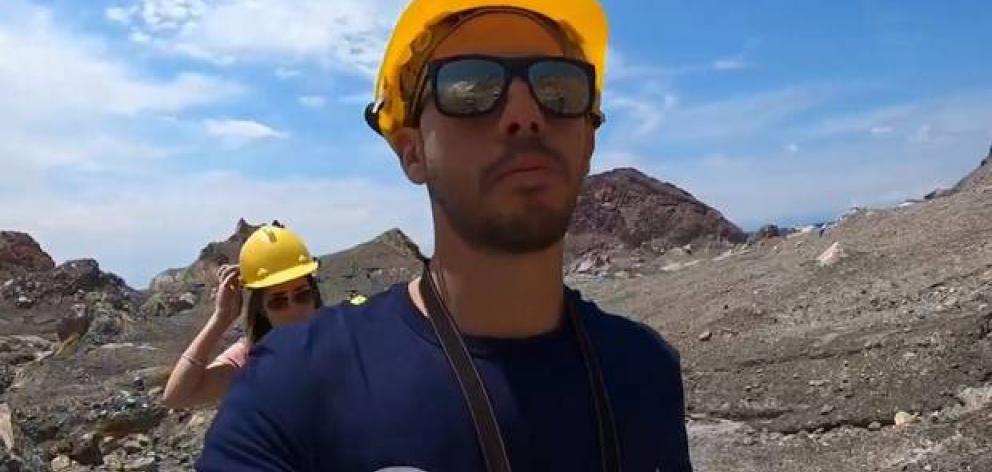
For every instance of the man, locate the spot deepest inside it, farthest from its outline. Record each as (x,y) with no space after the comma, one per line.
(486,362)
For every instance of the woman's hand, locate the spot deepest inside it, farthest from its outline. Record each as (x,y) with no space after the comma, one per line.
(227,306)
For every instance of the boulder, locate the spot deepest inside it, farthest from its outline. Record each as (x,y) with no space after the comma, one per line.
(75,324)
(19,251)
(831,256)
(765,232)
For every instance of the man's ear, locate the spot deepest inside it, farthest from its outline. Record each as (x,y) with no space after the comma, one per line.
(408,146)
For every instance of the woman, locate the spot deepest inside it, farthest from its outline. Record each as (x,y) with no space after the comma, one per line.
(277,271)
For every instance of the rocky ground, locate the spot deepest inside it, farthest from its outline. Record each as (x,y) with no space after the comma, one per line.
(84,358)
(864,345)
(865,348)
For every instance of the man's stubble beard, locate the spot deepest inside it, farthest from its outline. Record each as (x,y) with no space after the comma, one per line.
(531,230)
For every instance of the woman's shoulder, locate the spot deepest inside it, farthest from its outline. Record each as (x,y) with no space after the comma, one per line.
(236,355)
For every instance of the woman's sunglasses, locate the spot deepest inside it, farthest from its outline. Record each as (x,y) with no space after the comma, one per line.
(281,302)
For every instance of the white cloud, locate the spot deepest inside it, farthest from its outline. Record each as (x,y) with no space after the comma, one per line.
(43,69)
(286,73)
(742,116)
(197,52)
(171,15)
(924,134)
(80,131)
(620,67)
(656,111)
(844,164)
(756,190)
(69,100)
(647,114)
(939,119)
(344,34)
(355,98)
(138,37)
(792,148)
(145,223)
(241,132)
(313,101)
(877,120)
(729,64)
(118,15)
(641,114)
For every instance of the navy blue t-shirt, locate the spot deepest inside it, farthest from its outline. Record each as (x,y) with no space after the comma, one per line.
(363,388)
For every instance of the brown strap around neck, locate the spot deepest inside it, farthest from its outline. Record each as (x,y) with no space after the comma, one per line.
(474,390)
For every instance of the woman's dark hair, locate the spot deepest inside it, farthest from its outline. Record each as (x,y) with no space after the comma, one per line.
(256,322)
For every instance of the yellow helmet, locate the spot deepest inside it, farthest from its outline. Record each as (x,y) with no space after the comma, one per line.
(274,255)
(585,20)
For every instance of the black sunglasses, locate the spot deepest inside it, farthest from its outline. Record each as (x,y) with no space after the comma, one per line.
(281,302)
(473,85)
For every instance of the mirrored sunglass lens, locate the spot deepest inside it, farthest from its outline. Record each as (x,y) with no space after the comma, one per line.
(561,87)
(469,86)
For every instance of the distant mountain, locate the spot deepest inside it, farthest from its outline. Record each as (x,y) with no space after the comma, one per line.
(20,252)
(625,208)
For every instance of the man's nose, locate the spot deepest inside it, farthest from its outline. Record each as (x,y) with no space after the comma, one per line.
(521,115)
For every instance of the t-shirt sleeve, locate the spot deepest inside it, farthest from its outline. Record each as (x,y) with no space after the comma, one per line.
(250,432)
(236,355)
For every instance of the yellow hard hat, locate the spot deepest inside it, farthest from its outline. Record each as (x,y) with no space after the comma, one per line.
(583,19)
(274,255)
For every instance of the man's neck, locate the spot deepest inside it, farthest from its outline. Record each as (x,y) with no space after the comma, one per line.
(498,294)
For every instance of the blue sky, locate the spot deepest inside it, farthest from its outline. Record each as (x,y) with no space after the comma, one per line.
(134,131)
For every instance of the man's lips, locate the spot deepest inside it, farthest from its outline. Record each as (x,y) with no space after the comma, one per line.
(529,163)
(526,162)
